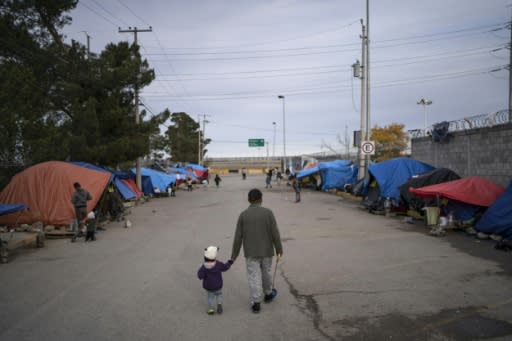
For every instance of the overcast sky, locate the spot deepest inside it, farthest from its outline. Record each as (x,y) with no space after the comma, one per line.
(231,59)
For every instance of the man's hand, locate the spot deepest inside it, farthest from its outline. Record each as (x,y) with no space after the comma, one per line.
(278,257)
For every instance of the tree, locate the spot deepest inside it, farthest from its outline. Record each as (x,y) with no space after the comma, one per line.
(58,102)
(183,137)
(390,141)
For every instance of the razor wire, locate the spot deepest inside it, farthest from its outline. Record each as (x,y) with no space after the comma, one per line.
(468,123)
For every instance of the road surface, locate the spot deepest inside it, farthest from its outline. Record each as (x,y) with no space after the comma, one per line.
(345,275)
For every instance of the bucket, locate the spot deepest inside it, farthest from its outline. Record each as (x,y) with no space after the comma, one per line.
(431,215)
(443,221)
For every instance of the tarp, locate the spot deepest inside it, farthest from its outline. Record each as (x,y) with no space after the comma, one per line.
(157,179)
(11,208)
(498,217)
(125,191)
(436,176)
(472,190)
(133,186)
(391,174)
(46,189)
(307,172)
(338,173)
(199,171)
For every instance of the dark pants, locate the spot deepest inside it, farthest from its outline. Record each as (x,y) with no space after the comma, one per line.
(80,213)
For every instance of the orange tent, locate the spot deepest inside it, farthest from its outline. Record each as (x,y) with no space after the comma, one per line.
(46,189)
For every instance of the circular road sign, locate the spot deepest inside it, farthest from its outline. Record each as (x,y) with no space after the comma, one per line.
(368,148)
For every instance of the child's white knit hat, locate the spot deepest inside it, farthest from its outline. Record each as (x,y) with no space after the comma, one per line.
(211,252)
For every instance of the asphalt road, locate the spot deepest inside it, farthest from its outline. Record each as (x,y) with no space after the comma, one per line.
(345,275)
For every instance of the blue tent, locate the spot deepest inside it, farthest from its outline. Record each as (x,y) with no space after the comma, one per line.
(498,217)
(337,174)
(124,190)
(392,173)
(152,179)
(307,172)
(11,208)
(334,174)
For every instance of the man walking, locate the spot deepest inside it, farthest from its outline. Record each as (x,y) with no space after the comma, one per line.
(79,200)
(257,231)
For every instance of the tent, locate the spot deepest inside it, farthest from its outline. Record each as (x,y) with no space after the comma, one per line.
(200,172)
(498,217)
(392,173)
(47,188)
(465,196)
(338,173)
(436,176)
(333,174)
(385,178)
(125,191)
(152,179)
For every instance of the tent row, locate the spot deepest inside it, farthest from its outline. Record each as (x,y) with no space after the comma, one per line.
(45,189)
(407,184)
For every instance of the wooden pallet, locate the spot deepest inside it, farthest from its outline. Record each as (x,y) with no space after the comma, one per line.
(10,241)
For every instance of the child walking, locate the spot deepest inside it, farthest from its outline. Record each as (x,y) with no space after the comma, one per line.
(211,275)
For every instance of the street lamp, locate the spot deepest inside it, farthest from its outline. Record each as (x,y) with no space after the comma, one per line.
(284,133)
(274,141)
(424,102)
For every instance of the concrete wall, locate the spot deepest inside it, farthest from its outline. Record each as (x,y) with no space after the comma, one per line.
(484,152)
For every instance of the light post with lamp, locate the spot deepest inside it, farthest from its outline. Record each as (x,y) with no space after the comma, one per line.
(424,102)
(284,134)
(274,141)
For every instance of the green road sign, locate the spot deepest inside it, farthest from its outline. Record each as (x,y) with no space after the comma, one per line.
(256,142)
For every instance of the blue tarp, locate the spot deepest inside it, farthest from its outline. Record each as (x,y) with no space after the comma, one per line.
(152,179)
(337,174)
(125,191)
(11,208)
(307,172)
(334,174)
(498,217)
(392,173)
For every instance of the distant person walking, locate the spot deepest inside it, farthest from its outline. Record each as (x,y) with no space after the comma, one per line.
(244,173)
(79,200)
(217,180)
(257,231)
(268,180)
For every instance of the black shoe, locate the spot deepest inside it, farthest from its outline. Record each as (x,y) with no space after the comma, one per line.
(219,308)
(256,307)
(270,297)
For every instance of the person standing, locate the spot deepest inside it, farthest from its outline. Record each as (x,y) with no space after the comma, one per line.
(79,200)
(268,180)
(296,187)
(217,180)
(257,231)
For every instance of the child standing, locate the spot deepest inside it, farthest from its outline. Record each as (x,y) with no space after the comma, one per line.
(211,274)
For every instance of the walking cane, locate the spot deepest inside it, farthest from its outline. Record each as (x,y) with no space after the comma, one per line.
(274,291)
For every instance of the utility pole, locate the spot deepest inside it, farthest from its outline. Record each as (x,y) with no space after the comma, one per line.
(510,74)
(360,72)
(135,30)
(203,135)
(367,77)
(199,140)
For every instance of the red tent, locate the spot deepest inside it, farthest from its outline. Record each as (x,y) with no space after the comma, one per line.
(471,190)
(46,189)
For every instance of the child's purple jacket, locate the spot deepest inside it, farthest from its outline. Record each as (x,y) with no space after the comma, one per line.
(212,278)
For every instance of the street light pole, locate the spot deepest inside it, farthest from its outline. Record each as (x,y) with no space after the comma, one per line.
(424,102)
(284,133)
(274,141)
